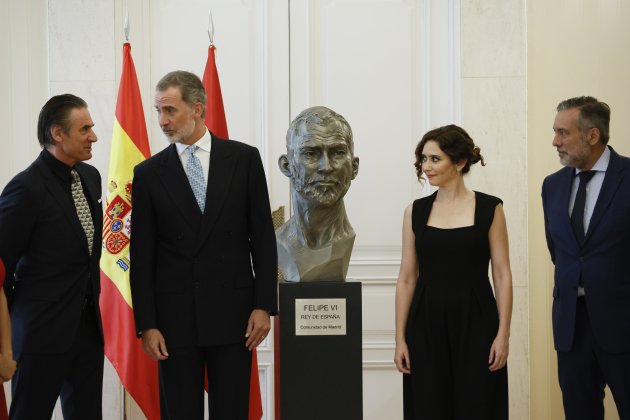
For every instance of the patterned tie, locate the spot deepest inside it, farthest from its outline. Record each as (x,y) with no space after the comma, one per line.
(83,208)
(577,215)
(194,172)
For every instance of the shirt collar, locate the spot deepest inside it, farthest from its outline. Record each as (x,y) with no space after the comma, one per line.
(602,163)
(60,169)
(204,143)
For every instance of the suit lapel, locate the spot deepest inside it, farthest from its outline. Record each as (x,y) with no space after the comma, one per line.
(64,200)
(612,180)
(222,168)
(176,184)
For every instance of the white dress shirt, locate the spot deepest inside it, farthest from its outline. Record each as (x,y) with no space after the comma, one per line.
(203,153)
(592,192)
(592,189)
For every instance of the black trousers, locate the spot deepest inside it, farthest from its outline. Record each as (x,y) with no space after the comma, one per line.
(182,382)
(584,372)
(75,376)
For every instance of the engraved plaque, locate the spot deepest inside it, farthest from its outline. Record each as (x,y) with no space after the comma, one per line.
(320,316)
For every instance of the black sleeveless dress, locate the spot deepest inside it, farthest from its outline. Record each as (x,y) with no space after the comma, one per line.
(453,321)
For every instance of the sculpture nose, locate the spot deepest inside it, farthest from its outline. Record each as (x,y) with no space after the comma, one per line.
(324,163)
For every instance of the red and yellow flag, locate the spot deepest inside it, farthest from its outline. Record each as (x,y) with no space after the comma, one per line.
(130,146)
(215,113)
(215,121)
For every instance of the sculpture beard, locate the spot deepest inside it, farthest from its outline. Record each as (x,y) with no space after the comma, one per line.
(320,190)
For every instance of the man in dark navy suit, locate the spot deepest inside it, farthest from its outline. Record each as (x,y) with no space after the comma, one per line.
(50,240)
(203,276)
(587,223)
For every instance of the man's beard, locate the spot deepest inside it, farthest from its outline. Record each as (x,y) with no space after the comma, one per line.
(580,157)
(182,134)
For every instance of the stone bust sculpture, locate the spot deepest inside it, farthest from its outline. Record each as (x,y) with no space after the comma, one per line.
(316,242)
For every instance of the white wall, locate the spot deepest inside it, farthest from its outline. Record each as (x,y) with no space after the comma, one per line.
(24,81)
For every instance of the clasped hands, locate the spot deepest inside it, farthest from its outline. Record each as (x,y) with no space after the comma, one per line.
(258,326)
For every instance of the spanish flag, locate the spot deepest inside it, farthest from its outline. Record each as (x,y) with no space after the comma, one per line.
(130,146)
(215,121)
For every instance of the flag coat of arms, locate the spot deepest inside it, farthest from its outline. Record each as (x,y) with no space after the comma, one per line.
(130,146)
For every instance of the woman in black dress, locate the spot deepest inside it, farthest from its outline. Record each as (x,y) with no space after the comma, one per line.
(451,333)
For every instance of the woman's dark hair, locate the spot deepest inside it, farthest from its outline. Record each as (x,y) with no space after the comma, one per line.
(455,142)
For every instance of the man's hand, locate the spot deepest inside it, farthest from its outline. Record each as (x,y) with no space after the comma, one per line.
(258,327)
(153,344)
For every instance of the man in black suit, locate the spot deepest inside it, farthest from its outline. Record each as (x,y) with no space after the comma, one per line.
(204,263)
(50,240)
(587,222)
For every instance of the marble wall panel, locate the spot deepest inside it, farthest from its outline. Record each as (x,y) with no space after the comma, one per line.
(81,40)
(493,38)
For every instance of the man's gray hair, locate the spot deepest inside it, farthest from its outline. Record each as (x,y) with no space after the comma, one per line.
(189,85)
(593,114)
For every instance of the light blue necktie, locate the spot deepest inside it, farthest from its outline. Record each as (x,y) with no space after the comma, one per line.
(194,172)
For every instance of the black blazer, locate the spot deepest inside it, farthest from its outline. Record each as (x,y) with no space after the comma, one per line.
(603,260)
(197,277)
(48,264)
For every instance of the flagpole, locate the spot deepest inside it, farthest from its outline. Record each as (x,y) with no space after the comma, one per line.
(210,28)
(216,122)
(123,391)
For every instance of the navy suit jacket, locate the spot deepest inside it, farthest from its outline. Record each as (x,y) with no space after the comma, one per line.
(197,277)
(45,251)
(603,260)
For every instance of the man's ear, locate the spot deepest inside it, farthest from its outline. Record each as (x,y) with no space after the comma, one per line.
(198,109)
(593,136)
(283,164)
(355,167)
(56,131)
